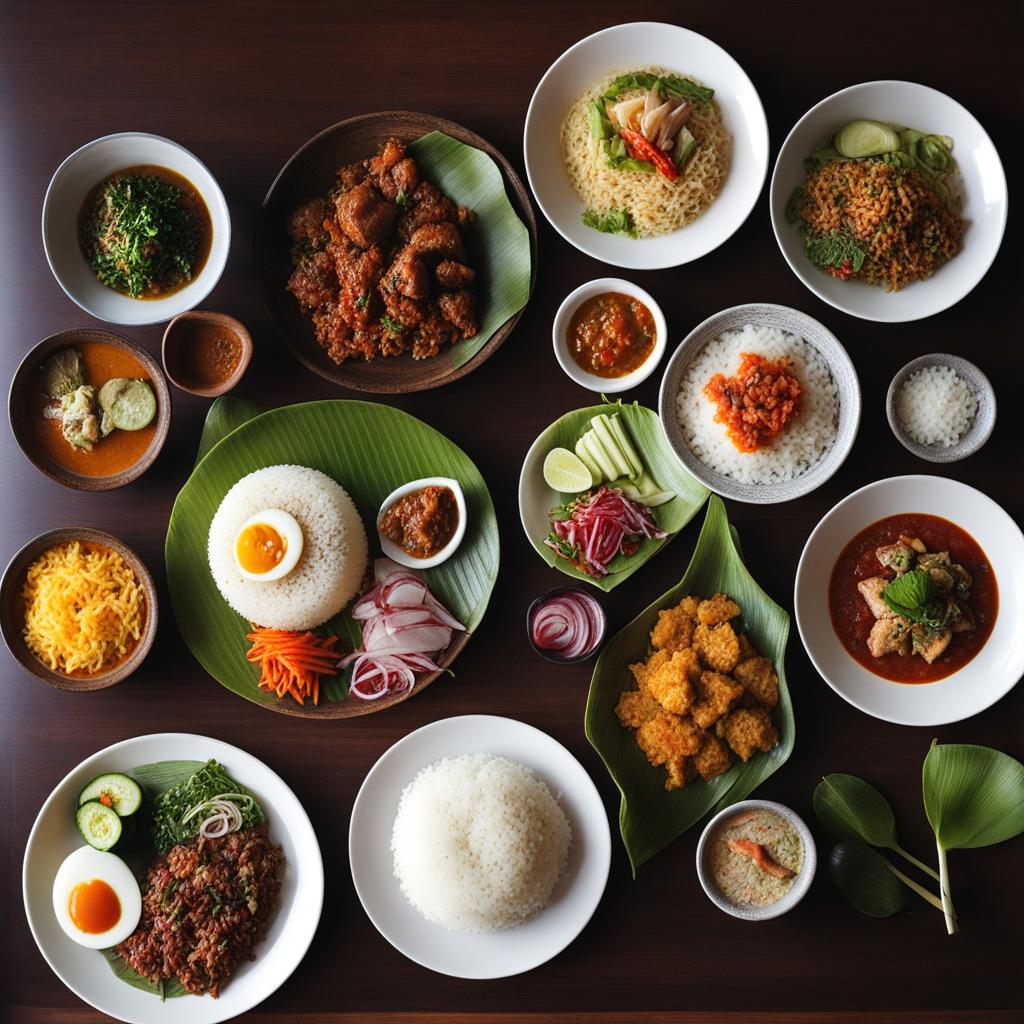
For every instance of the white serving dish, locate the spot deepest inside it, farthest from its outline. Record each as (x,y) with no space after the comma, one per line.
(397,554)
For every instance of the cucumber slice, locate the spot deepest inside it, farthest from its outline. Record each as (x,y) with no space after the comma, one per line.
(120,793)
(622,437)
(596,451)
(604,435)
(129,404)
(584,456)
(866,138)
(99,826)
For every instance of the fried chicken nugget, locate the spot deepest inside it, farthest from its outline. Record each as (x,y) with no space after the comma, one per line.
(689,605)
(747,649)
(674,629)
(636,707)
(758,678)
(717,609)
(748,730)
(642,669)
(716,693)
(717,646)
(673,683)
(713,758)
(670,740)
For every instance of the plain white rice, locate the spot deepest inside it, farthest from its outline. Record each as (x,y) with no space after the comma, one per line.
(479,843)
(936,406)
(334,551)
(805,440)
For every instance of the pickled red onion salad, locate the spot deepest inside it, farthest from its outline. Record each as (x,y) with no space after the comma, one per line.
(589,531)
(404,627)
(567,624)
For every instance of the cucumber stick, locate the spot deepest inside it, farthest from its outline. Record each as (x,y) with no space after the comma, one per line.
(601,427)
(597,453)
(585,457)
(622,438)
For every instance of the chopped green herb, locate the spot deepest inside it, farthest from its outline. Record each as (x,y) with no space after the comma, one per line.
(615,222)
(391,325)
(362,300)
(402,199)
(834,250)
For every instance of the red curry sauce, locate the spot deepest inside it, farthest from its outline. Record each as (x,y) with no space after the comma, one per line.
(852,619)
(207,354)
(422,522)
(611,334)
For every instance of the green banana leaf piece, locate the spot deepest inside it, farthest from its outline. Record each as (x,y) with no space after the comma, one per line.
(225,415)
(501,243)
(649,816)
(644,428)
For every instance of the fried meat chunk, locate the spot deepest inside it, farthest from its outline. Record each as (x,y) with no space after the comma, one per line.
(670,740)
(747,731)
(673,683)
(365,215)
(716,693)
(889,635)
(716,610)
(408,274)
(358,272)
(459,309)
(717,646)
(440,240)
(757,676)
(306,224)
(713,758)
(636,707)
(314,282)
(642,669)
(454,275)
(674,629)
(429,206)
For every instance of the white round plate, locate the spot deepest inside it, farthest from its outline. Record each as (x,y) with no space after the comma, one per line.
(625,47)
(291,931)
(493,954)
(989,675)
(68,189)
(984,184)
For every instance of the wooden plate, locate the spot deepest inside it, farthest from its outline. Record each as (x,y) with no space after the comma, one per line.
(311,171)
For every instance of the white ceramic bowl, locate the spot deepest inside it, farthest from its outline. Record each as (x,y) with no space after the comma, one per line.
(72,182)
(491,954)
(985,197)
(621,48)
(800,885)
(817,336)
(292,927)
(989,675)
(395,553)
(560,330)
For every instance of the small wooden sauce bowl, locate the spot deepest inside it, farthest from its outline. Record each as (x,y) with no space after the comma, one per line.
(197,329)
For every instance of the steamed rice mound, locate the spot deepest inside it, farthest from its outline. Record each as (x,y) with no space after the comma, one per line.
(334,556)
(479,843)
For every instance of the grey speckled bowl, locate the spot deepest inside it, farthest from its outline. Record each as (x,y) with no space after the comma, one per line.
(979,430)
(800,885)
(815,334)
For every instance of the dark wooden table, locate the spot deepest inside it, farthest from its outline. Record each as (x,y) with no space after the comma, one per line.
(243,86)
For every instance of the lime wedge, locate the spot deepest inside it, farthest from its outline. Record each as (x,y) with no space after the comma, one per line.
(566,472)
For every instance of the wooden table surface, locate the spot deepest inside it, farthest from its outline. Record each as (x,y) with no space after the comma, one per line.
(243,86)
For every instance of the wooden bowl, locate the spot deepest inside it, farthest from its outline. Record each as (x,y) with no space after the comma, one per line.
(12,610)
(174,341)
(311,171)
(21,399)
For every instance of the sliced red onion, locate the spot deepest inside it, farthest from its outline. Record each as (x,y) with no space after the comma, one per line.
(566,624)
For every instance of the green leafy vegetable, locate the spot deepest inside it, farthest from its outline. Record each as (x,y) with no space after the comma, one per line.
(866,879)
(915,596)
(402,198)
(615,221)
(600,122)
(673,85)
(391,325)
(833,251)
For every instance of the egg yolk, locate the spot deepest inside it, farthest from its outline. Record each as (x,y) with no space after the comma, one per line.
(94,907)
(260,548)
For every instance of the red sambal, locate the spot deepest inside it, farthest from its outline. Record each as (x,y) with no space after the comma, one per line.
(611,334)
(422,522)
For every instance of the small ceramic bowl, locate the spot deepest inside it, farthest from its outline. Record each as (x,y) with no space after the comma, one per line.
(82,171)
(555,656)
(22,406)
(981,426)
(396,553)
(800,885)
(560,329)
(12,610)
(179,336)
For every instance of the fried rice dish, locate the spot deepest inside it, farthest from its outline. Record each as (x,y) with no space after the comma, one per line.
(380,265)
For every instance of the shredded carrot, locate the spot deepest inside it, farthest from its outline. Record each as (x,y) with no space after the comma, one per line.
(292,663)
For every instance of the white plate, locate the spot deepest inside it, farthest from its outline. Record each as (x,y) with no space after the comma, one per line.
(989,675)
(494,954)
(621,48)
(84,971)
(985,200)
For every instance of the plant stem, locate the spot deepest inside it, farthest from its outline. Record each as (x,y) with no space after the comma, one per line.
(947,899)
(917,863)
(919,889)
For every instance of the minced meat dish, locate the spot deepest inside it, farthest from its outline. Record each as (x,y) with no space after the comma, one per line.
(205,906)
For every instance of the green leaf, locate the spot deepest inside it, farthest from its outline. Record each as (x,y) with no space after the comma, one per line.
(865,878)
(850,808)
(649,816)
(671,85)
(225,415)
(498,240)
(909,593)
(161,776)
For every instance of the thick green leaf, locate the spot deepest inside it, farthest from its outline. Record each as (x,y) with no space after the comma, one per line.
(973,796)
(645,431)
(649,816)
(865,878)
(161,776)
(850,808)
(225,415)
(499,240)
(369,449)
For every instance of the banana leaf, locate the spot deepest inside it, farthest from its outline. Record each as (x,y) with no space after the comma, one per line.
(649,816)
(644,428)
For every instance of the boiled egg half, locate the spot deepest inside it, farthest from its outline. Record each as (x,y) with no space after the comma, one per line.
(268,546)
(96,898)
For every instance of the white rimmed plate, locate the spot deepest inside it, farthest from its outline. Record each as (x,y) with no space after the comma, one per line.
(989,675)
(494,954)
(630,46)
(292,927)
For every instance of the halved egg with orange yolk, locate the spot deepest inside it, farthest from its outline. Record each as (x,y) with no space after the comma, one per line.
(268,545)
(96,898)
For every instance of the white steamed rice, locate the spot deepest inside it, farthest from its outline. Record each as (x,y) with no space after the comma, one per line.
(936,406)
(804,441)
(479,843)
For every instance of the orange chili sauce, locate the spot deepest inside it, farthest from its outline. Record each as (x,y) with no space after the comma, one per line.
(611,334)
(207,354)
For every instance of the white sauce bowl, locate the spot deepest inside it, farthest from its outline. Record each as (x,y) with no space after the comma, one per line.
(397,554)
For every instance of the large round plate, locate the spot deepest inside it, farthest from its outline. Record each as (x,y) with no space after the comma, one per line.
(493,954)
(370,450)
(54,836)
(984,184)
(993,671)
(622,48)
(498,244)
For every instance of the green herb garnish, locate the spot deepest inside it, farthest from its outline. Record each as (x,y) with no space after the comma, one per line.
(834,250)
(673,85)
(402,199)
(362,300)
(615,222)
(391,325)
(915,596)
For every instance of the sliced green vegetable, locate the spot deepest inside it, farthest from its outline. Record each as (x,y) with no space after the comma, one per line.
(612,222)
(866,138)
(588,460)
(671,85)
(603,436)
(114,790)
(621,436)
(130,404)
(596,451)
(600,123)
(685,147)
(98,825)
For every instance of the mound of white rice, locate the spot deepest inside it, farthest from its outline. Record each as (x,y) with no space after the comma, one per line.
(334,552)
(936,406)
(803,442)
(479,843)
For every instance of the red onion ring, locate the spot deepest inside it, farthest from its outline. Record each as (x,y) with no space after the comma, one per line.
(566,625)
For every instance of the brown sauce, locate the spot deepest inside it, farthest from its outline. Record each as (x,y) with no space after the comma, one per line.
(611,334)
(422,522)
(207,354)
(852,619)
(112,454)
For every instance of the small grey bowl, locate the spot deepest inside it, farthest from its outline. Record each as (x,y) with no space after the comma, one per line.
(979,430)
(800,885)
(818,337)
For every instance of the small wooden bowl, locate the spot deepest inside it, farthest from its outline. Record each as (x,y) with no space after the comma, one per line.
(175,341)
(12,610)
(20,401)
